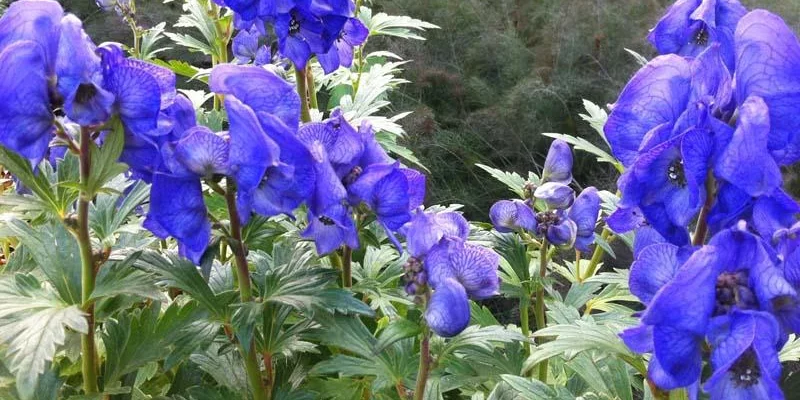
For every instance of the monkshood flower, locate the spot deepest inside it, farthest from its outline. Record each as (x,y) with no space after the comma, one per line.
(720,286)
(427,229)
(247,47)
(353,34)
(457,271)
(558,164)
(512,215)
(301,33)
(142,91)
(584,213)
(289,182)
(555,195)
(690,26)
(768,66)
(48,62)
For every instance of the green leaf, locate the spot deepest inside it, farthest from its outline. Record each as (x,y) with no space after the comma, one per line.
(791,350)
(346,365)
(56,253)
(389,25)
(104,159)
(121,278)
(182,68)
(596,117)
(481,337)
(145,335)
(32,322)
(389,142)
(150,38)
(180,273)
(109,212)
(37,183)
(397,330)
(227,368)
(529,388)
(511,179)
(589,147)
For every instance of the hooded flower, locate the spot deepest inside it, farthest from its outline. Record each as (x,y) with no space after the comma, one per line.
(690,26)
(558,164)
(353,34)
(511,215)
(302,33)
(584,213)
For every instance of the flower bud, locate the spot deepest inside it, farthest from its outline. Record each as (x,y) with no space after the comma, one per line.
(584,213)
(558,164)
(563,233)
(555,195)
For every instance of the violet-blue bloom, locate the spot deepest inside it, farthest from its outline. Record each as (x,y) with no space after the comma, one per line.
(302,34)
(512,215)
(555,195)
(558,164)
(142,91)
(768,66)
(426,230)
(744,356)
(353,34)
(690,26)
(584,213)
(474,267)
(80,76)
(38,21)
(247,48)
(563,232)
(448,311)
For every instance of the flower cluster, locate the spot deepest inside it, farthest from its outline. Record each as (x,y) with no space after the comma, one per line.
(456,270)
(325,28)
(703,131)
(566,220)
(53,74)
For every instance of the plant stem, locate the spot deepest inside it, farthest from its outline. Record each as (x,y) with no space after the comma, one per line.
(701,230)
(269,372)
(524,322)
(424,364)
(597,256)
(88,347)
(578,265)
(302,90)
(245,292)
(541,321)
(312,88)
(347,261)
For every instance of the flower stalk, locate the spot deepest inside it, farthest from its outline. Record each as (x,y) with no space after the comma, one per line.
(424,364)
(88,272)
(245,293)
(541,321)
(347,267)
(597,256)
(701,230)
(302,90)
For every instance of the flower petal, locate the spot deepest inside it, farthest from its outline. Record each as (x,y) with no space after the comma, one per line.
(448,311)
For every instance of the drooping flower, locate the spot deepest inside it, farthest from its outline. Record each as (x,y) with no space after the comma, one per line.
(302,33)
(558,164)
(556,195)
(768,66)
(427,229)
(353,34)
(511,215)
(690,26)
(246,48)
(584,213)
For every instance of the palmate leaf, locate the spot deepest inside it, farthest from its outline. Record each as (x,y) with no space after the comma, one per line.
(104,159)
(150,38)
(56,253)
(227,368)
(293,277)
(110,211)
(32,326)
(37,183)
(481,337)
(399,26)
(146,335)
(121,278)
(377,277)
(513,180)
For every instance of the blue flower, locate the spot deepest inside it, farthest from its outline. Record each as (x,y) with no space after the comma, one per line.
(330,223)
(768,66)
(744,357)
(457,271)
(246,48)
(584,213)
(302,33)
(353,33)
(391,192)
(512,215)
(141,90)
(38,21)
(555,195)
(177,209)
(690,26)
(80,76)
(427,229)
(558,164)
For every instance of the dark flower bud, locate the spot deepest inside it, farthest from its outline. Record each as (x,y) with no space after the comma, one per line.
(510,215)
(558,164)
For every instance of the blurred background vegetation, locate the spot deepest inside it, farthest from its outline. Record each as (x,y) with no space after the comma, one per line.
(494,77)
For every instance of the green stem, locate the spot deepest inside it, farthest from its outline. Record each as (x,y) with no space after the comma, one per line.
(524,322)
(88,347)
(245,292)
(347,273)
(312,88)
(424,364)
(541,321)
(302,90)
(701,230)
(578,265)
(597,256)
